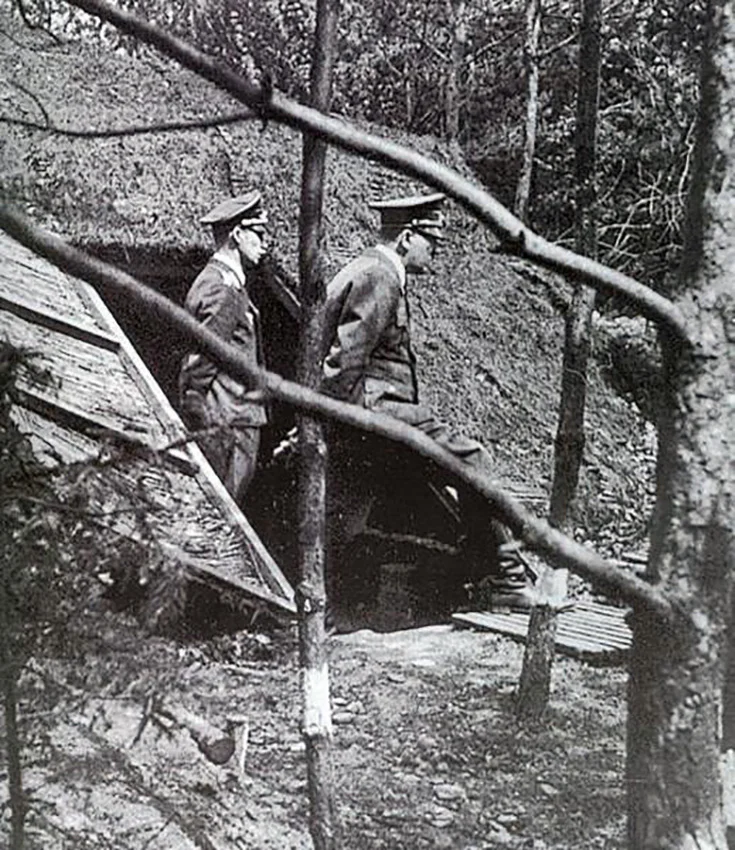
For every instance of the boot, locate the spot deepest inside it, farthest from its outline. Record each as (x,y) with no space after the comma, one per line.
(512,587)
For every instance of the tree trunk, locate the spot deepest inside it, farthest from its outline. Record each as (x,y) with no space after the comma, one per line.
(15,776)
(676,675)
(9,671)
(530,60)
(570,440)
(317,721)
(534,687)
(456,11)
(535,683)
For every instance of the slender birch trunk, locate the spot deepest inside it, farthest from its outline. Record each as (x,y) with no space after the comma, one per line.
(530,61)
(456,11)
(317,722)
(9,670)
(535,683)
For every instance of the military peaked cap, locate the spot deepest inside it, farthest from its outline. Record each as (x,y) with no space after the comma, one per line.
(421,213)
(245,210)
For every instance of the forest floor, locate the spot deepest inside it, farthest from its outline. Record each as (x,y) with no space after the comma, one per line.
(427,751)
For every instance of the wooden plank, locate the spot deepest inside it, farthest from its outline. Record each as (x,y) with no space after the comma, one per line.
(603,624)
(598,617)
(604,620)
(251,586)
(134,365)
(603,640)
(272,575)
(52,442)
(25,276)
(78,419)
(571,633)
(594,629)
(98,427)
(103,386)
(83,375)
(601,609)
(67,326)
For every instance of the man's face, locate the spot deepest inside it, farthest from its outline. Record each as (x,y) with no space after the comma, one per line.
(251,244)
(419,252)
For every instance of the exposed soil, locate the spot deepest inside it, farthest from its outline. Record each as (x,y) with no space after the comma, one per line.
(426,749)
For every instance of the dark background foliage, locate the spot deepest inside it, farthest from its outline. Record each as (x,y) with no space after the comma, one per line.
(394,60)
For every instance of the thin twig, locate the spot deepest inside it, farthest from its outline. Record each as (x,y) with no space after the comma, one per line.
(122,132)
(38,103)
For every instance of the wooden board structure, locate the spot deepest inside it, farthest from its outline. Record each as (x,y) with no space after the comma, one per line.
(102,390)
(589,630)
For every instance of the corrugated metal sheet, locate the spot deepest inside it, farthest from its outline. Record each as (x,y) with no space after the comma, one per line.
(100,388)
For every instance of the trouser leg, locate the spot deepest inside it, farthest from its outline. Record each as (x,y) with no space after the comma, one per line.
(233,454)
(351,492)
(216,445)
(489,546)
(487,537)
(243,461)
(232,450)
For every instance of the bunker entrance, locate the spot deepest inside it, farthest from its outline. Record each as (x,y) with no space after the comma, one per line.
(402,566)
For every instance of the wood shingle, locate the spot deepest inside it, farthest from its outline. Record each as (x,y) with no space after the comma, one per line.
(100,390)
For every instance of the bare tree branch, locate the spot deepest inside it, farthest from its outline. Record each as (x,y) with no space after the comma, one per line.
(560,45)
(536,533)
(518,238)
(32,25)
(134,130)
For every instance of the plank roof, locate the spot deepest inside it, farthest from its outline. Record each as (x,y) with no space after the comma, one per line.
(101,389)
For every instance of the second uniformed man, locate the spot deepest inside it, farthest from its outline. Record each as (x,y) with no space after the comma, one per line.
(369,360)
(213,403)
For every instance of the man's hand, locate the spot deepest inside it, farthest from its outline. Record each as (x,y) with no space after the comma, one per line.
(194,411)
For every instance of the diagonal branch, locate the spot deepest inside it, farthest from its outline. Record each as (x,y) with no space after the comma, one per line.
(536,533)
(517,238)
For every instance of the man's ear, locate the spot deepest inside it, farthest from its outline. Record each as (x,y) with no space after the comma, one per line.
(403,242)
(408,237)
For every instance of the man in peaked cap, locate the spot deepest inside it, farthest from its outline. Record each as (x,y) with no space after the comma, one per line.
(368,361)
(213,403)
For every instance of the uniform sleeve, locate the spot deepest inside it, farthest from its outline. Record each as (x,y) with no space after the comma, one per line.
(217,310)
(368,308)
(214,306)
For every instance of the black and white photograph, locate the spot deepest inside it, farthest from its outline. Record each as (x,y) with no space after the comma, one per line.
(367,410)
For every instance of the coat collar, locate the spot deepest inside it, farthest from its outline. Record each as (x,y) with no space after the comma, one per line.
(232,266)
(392,257)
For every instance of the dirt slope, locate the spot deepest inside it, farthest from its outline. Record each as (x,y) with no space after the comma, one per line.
(488,339)
(427,754)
